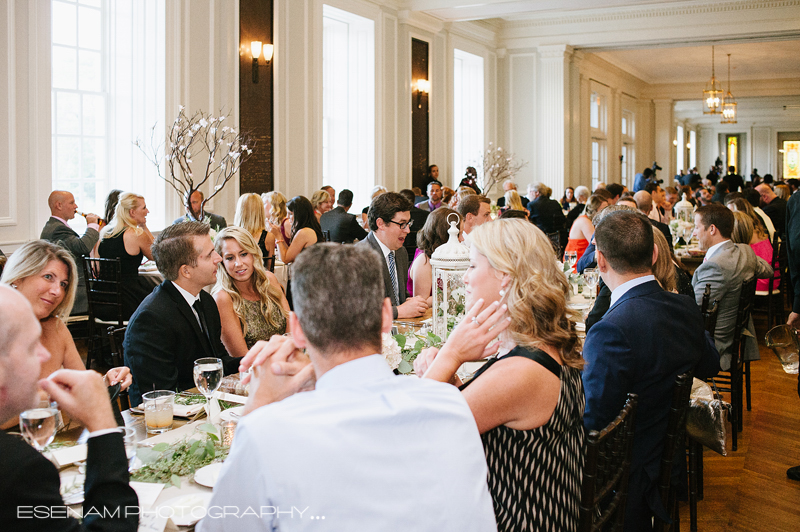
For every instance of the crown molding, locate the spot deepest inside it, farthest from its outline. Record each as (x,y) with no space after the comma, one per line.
(420,20)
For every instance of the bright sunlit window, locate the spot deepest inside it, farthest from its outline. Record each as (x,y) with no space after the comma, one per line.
(468,142)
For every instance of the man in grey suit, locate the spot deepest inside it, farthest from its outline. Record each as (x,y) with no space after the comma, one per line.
(434,197)
(215,221)
(342,226)
(62,209)
(390,220)
(725,267)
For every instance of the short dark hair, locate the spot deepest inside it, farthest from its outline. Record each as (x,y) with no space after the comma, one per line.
(603,193)
(385,207)
(471,205)
(752,196)
(718,216)
(729,197)
(647,172)
(408,194)
(434,233)
(345,198)
(651,187)
(321,274)
(626,241)
(174,247)
(512,213)
(615,189)
(722,187)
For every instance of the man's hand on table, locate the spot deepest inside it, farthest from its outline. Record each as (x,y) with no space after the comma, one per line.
(289,371)
(82,395)
(794,320)
(414,307)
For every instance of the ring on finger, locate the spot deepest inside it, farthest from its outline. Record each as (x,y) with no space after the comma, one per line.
(475,321)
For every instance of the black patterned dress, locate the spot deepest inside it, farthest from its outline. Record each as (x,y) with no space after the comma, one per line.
(535,475)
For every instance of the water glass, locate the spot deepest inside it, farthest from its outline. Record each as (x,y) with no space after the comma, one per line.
(131,445)
(158,407)
(591,277)
(208,375)
(39,425)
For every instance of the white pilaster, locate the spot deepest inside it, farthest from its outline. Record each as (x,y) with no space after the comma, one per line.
(554,104)
(664,135)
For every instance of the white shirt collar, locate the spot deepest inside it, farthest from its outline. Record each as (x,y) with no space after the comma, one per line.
(713,249)
(384,248)
(355,372)
(186,295)
(620,291)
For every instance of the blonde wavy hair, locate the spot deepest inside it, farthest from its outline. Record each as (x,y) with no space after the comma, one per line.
(664,269)
(250,215)
(538,292)
(31,259)
(319,197)
(122,216)
(513,201)
(269,293)
(277,203)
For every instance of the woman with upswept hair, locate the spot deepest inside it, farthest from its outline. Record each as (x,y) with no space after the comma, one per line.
(527,401)
(276,213)
(250,300)
(250,217)
(128,239)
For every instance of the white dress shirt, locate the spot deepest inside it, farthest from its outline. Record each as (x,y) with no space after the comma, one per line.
(619,291)
(713,249)
(190,299)
(366,450)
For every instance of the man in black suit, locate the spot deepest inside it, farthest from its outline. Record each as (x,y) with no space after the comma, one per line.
(216,221)
(774,206)
(734,180)
(510,185)
(546,213)
(62,209)
(389,219)
(627,355)
(342,226)
(418,219)
(793,254)
(29,483)
(179,322)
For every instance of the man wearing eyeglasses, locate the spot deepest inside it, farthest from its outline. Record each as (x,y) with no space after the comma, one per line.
(390,222)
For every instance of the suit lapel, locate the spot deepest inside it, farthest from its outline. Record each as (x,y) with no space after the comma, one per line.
(387,282)
(188,314)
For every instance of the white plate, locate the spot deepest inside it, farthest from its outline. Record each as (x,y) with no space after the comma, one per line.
(72,488)
(186,510)
(207,476)
(232,414)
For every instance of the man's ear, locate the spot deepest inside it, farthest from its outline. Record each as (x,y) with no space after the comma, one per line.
(655,254)
(602,263)
(386,315)
(297,331)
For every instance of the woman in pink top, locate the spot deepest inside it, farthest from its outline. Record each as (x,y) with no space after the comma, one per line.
(745,232)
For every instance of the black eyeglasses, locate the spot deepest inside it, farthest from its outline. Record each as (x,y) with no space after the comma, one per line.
(404,224)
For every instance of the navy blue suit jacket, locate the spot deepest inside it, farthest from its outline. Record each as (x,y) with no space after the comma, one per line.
(645,340)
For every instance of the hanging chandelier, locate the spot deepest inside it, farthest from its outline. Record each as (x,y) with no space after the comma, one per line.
(729,103)
(712,95)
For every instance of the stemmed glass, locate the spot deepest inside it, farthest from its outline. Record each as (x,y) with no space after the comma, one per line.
(591,277)
(39,425)
(208,376)
(571,258)
(687,235)
(676,236)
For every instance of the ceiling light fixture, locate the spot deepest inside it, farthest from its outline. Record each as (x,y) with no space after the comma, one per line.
(729,103)
(712,95)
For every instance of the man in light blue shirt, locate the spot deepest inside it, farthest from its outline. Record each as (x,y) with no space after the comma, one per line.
(365,450)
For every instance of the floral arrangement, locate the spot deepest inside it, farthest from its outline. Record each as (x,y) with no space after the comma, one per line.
(401,350)
(680,228)
(574,278)
(219,150)
(498,165)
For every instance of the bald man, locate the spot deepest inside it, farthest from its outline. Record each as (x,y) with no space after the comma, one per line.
(27,479)
(773,206)
(644,202)
(62,209)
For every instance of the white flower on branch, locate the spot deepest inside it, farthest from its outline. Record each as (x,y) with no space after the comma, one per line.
(203,122)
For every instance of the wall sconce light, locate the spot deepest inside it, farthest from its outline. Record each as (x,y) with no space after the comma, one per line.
(422,85)
(688,145)
(675,142)
(256,48)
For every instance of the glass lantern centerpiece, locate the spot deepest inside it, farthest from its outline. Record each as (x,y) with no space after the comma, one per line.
(683,223)
(448,265)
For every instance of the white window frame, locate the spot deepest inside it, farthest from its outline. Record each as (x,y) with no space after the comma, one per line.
(680,149)
(599,95)
(629,144)
(468,112)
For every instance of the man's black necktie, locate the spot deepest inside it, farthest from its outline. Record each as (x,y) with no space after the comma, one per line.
(198,307)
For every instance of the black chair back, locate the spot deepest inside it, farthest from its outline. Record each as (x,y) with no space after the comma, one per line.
(746,298)
(604,489)
(104,293)
(674,448)
(555,240)
(709,314)
(326,235)
(116,336)
(269,263)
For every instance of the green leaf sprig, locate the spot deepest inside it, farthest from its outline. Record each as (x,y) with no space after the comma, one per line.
(411,344)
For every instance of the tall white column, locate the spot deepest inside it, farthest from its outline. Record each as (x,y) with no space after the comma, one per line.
(554,116)
(664,135)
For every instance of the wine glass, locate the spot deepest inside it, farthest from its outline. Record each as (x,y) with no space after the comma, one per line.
(208,376)
(39,425)
(675,238)
(591,277)
(571,258)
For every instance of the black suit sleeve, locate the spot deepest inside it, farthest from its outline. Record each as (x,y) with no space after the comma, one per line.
(793,248)
(601,305)
(356,231)
(150,351)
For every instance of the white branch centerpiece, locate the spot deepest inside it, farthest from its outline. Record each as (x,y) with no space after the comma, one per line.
(498,165)
(199,150)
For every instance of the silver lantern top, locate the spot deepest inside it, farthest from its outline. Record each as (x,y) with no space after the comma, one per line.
(452,255)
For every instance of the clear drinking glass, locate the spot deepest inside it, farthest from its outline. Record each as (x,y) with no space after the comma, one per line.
(39,425)
(131,445)
(208,375)
(158,407)
(591,277)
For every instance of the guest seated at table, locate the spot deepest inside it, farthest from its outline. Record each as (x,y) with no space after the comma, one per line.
(429,238)
(128,239)
(195,212)
(62,209)
(342,226)
(376,191)
(305,232)
(527,402)
(460,195)
(745,233)
(249,298)
(365,446)
(250,217)
(513,202)
(29,482)
(646,339)
(761,224)
(582,229)
(725,267)
(568,201)
(277,214)
(322,203)
(179,322)
(45,274)
(111,204)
